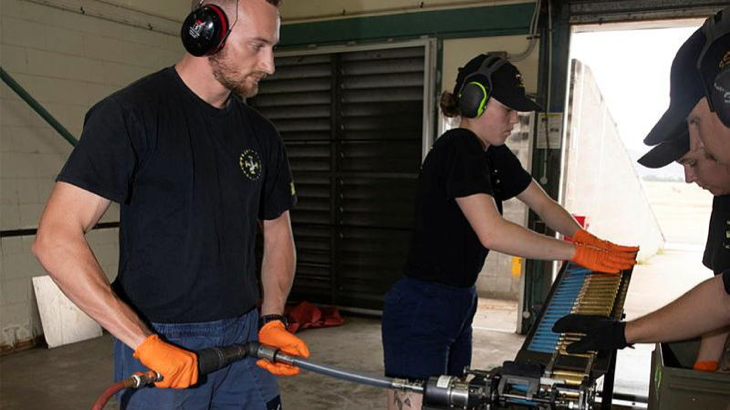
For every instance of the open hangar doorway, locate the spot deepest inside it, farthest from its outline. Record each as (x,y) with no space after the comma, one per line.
(617,87)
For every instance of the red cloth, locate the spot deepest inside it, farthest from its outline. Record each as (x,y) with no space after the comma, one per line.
(306,315)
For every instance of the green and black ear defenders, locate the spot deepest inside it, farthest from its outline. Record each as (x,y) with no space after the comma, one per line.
(718,94)
(205,30)
(474,95)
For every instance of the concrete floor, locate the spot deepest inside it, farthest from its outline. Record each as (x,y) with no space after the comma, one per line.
(72,376)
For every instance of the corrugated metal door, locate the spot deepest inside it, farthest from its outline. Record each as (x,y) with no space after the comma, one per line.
(353,123)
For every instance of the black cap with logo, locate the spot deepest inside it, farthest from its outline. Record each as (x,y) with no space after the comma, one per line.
(506,81)
(714,64)
(685,90)
(697,71)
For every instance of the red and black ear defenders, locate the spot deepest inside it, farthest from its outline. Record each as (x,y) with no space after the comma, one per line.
(718,94)
(205,30)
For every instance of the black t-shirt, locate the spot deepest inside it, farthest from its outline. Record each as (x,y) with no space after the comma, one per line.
(444,247)
(717,250)
(192,181)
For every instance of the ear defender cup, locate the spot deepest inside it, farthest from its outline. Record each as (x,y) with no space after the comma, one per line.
(204,31)
(473,100)
(720,96)
(474,95)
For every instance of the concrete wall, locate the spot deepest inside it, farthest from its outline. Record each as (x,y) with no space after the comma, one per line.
(67,61)
(601,182)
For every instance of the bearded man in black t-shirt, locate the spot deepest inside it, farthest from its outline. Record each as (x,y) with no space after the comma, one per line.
(194,171)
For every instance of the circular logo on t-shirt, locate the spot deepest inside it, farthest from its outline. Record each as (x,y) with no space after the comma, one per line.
(250,163)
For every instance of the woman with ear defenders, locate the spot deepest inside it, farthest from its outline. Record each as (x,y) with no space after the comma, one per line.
(464,179)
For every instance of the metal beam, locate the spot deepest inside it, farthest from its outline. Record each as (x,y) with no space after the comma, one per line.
(614,11)
(37,107)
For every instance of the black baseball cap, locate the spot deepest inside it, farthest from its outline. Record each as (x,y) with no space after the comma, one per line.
(714,58)
(685,90)
(667,151)
(507,85)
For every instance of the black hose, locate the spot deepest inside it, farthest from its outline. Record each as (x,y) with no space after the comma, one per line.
(277,356)
(209,360)
(376,381)
(214,358)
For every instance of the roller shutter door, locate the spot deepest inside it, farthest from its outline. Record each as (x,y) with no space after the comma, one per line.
(353,124)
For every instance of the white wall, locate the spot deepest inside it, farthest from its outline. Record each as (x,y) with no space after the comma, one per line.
(174,10)
(300,10)
(601,181)
(67,61)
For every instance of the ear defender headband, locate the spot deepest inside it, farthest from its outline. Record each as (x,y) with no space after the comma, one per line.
(205,30)
(718,94)
(474,95)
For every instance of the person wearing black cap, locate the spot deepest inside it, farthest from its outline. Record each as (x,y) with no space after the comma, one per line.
(464,179)
(702,169)
(704,60)
(710,118)
(699,166)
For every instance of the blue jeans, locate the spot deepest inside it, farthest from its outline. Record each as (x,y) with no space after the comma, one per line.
(427,329)
(242,385)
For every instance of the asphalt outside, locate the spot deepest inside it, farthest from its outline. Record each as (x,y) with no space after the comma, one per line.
(683,213)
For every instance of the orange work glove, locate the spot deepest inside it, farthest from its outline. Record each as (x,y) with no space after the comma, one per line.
(274,334)
(584,237)
(706,366)
(178,367)
(601,260)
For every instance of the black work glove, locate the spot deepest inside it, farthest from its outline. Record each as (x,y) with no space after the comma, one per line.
(601,333)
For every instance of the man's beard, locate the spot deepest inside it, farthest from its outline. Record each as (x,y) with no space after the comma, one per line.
(230,77)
